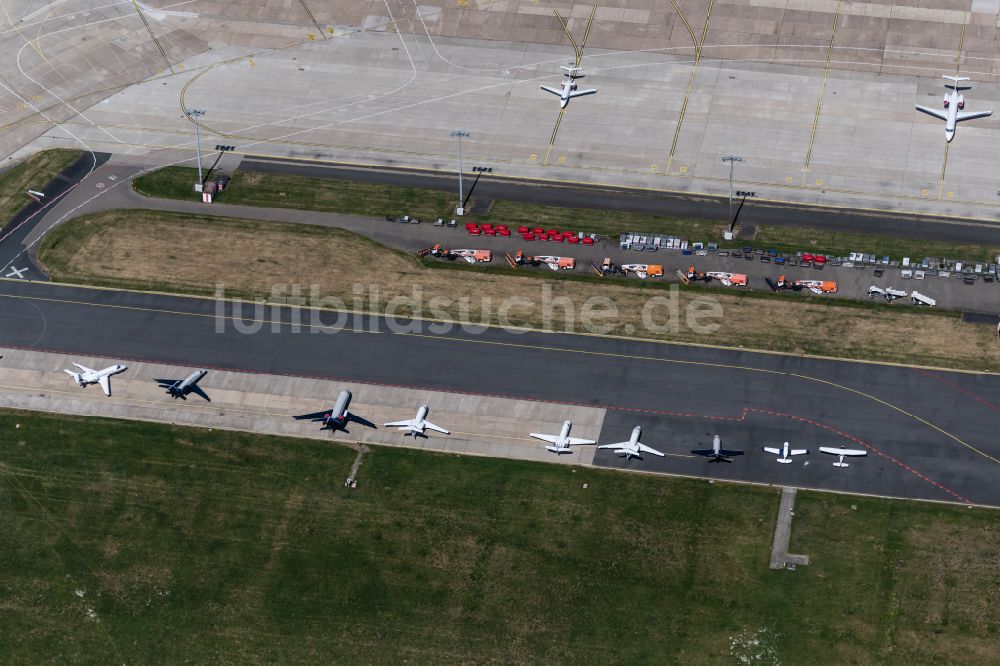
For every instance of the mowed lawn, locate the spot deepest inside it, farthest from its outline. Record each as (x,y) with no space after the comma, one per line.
(132,542)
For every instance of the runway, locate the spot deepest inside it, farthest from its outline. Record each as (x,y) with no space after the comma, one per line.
(930,435)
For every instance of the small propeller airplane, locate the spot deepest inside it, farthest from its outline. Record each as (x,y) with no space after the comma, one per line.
(784,452)
(179,388)
(562,442)
(842,452)
(717,453)
(953,105)
(568,88)
(91,376)
(416,426)
(633,447)
(338,417)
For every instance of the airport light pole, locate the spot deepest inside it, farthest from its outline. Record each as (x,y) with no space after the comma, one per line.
(193,115)
(732,159)
(461,195)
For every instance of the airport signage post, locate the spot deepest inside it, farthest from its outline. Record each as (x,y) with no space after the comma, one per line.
(732,159)
(193,115)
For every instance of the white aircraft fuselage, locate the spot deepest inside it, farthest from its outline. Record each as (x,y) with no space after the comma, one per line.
(954,105)
(90,376)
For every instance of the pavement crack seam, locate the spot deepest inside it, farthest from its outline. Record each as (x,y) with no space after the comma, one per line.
(822,92)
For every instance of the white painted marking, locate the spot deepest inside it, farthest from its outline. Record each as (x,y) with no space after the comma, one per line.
(16,272)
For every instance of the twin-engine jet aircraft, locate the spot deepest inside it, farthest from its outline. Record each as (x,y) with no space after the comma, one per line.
(717,453)
(91,376)
(954,103)
(179,388)
(562,442)
(416,426)
(633,448)
(338,417)
(568,89)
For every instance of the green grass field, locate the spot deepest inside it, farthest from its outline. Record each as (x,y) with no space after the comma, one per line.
(130,542)
(33,173)
(357,198)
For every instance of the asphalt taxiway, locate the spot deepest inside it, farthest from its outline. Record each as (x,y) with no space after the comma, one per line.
(930,434)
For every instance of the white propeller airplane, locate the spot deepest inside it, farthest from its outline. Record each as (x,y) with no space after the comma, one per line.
(633,447)
(338,417)
(953,105)
(416,426)
(568,89)
(841,452)
(91,376)
(562,442)
(784,452)
(717,453)
(179,388)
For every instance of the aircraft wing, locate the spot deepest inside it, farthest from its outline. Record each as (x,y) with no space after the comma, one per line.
(840,451)
(576,441)
(969,115)
(646,449)
(554,91)
(358,419)
(84,368)
(798,452)
(428,424)
(771,449)
(581,93)
(619,445)
(318,416)
(194,388)
(703,452)
(551,439)
(932,112)
(105,383)
(400,424)
(730,454)
(167,383)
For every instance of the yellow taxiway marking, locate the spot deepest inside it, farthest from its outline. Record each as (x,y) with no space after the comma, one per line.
(578,51)
(152,35)
(698,44)
(819,100)
(901,411)
(958,67)
(546,348)
(313,19)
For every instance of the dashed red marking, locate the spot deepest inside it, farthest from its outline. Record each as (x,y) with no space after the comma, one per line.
(733,419)
(960,389)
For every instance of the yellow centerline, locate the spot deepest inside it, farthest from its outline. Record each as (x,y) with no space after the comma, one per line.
(698,44)
(578,50)
(958,67)
(822,92)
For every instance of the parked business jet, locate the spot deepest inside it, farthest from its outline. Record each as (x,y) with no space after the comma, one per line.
(841,452)
(91,376)
(784,452)
(568,89)
(717,453)
(953,105)
(562,442)
(633,447)
(416,426)
(338,417)
(179,388)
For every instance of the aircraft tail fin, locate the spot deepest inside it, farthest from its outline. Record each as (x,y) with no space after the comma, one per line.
(955,82)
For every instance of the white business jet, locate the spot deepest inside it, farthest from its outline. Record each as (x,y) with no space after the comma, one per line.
(953,105)
(562,442)
(568,88)
(633,447)
(841,452)
(784,452)
(91,376)
(416,426)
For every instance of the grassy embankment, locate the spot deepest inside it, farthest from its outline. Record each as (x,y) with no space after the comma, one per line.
(130,542)
(190,254)
(322,194)
(33,173)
